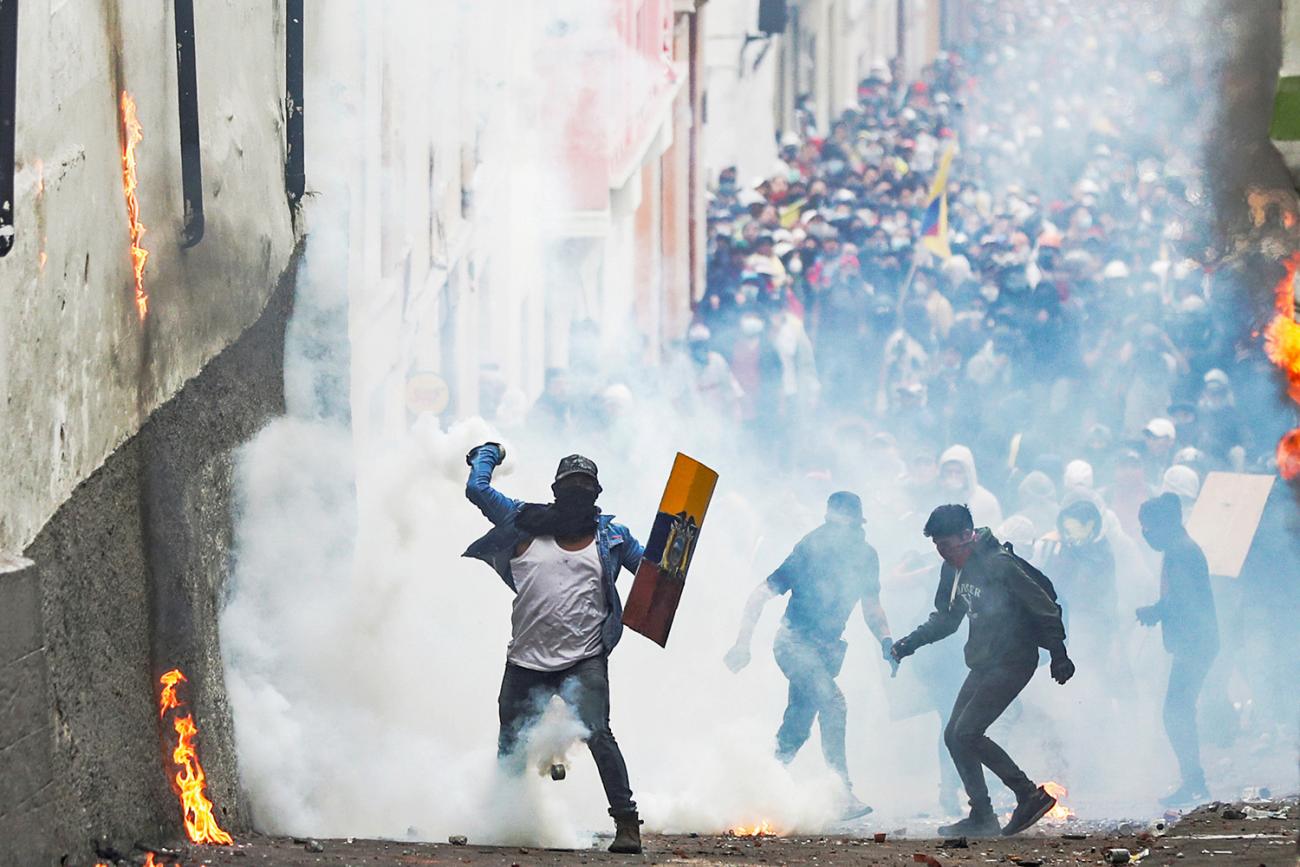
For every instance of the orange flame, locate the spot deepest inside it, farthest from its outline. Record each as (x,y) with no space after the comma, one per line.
(169,701)
(1059,813)
(133,134)
(1282,345)
(762,829)
(196,810)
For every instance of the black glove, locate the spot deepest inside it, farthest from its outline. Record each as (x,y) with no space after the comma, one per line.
(901,649)
(887,645)
(501,454)
(1062,668)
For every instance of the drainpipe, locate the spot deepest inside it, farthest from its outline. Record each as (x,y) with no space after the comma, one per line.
(187,94)
(295,173)
(8,118)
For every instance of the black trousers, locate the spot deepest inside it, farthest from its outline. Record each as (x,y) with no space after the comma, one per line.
(982,699)
(1186,677)
(584,686)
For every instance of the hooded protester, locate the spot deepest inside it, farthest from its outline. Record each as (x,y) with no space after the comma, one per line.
(1183,482)
(1129,491)
(1011,616)
(561,560)
(1037,496)
(831,571)
(756,365)
(960,483)
(1158,440)
(1082,565)
(716,388)
(1190,629)
(1219,419)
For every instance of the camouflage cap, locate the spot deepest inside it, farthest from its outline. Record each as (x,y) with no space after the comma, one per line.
(576,465)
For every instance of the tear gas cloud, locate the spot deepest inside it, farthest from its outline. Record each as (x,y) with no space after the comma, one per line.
(363,654)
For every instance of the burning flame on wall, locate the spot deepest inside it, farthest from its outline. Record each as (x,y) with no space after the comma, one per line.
(1282,344)
(196,810)
(133,133)
(762,829)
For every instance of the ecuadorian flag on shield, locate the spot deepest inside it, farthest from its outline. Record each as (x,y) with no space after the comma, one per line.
(934,223)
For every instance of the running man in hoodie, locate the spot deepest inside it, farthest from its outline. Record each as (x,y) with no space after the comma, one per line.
(561,560)
(1190,629)
(830,571)
(1011,617)
(961,484)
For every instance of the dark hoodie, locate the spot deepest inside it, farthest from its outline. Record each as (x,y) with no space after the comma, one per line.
(1010,615)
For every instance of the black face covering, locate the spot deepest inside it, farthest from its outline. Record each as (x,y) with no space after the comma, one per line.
(572,514)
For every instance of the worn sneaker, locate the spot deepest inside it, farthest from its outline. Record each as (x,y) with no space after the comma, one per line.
(1029,811)
(982,825)
(1189,794)
(854,809)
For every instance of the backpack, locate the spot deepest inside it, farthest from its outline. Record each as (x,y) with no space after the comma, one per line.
(1033,572)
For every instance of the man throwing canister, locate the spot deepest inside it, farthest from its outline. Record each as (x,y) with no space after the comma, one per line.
(1012,614)
(561,560)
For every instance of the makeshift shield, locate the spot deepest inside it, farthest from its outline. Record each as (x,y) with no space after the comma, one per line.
(657,588)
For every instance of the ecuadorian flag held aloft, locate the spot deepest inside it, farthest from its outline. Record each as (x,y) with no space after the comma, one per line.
(934,223)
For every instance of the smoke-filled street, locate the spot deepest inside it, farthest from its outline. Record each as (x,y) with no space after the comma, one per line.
(673,431)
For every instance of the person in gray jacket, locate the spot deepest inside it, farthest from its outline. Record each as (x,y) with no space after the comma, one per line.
(1011,616)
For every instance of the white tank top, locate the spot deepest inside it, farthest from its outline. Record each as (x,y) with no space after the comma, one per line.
(559,606)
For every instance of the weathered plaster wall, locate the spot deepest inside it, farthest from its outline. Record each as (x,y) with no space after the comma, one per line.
(126,583)
(78,370)
(116,476)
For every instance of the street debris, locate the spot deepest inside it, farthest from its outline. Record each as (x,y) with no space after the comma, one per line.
(1252,813)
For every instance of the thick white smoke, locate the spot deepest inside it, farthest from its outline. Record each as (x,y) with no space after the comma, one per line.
(363,654)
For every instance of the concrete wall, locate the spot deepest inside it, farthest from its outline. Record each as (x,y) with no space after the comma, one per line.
(119,429)
(741,91)
(125,585)
(80,371)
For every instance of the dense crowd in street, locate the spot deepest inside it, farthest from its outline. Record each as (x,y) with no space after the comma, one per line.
(1043,335)
(1067,357)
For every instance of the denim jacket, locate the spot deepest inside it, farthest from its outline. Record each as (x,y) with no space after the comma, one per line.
(617,547)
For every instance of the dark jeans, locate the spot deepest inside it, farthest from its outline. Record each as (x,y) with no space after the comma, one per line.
(584,686)
(982,699)
(811,669)
(1186,676)
(939,670)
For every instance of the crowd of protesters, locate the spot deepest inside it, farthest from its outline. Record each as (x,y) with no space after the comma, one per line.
(1062,351)
(1068,357)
